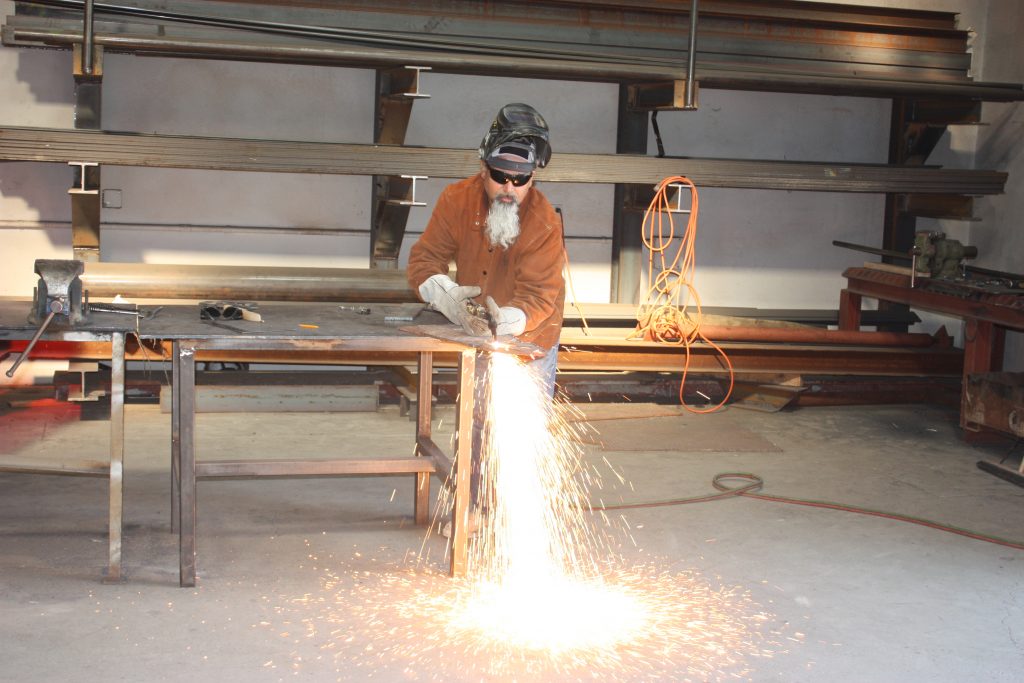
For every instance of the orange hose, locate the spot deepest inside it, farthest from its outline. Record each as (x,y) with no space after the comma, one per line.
(662,315)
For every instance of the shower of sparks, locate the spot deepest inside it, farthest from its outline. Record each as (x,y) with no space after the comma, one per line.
(545,598)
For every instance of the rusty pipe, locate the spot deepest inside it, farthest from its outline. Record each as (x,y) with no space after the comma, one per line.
(815,335)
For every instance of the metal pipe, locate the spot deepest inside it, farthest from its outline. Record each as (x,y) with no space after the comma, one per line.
(32,343)
(87,38)
(691,59)
(892,253)
(815,335)
(260,283)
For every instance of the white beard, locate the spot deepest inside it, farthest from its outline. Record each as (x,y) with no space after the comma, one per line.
(503,223)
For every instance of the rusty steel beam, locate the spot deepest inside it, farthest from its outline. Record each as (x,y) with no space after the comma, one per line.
(817,335)
(764,358)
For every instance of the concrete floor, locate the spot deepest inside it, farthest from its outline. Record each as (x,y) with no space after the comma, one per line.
(329,580)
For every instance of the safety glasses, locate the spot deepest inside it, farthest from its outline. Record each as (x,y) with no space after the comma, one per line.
(501,177)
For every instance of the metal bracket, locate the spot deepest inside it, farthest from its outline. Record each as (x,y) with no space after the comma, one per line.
(662,96)
(82,176)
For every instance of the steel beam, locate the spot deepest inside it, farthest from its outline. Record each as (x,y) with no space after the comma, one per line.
(87,67)
(627,240)
(813,47)
(278,156)
(397,90)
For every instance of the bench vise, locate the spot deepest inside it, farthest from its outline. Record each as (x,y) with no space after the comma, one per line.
(58,293)
(936,256)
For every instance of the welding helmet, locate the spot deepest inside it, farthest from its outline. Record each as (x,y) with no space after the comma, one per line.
(518,123)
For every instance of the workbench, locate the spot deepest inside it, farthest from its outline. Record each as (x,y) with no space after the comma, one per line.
(316,328)
(986,314)
(106,328)
(304,328)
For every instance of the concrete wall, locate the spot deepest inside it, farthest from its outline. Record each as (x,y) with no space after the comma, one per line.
(768,249)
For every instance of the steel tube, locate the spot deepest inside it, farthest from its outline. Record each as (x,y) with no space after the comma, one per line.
(87,37)
(691,59)
(116,519)
(185,357)
(260,283)
(31,344)
(815,335)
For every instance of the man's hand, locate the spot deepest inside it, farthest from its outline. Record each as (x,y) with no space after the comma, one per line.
(455,302)
(509,319)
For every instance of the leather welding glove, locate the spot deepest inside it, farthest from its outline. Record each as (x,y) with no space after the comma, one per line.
(511,320)
(452,299)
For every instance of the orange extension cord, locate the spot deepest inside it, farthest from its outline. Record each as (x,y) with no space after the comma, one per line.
(750,483)
(662,314)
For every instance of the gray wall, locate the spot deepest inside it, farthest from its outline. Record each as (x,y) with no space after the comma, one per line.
(755,248)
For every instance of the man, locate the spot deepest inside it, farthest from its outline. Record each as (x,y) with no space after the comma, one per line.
(506,241)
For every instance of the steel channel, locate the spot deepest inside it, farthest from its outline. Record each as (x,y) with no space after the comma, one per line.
(721,46)
(735,77)
(596,29)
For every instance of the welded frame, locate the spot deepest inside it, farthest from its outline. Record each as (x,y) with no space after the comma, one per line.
(113,469)
(428,458)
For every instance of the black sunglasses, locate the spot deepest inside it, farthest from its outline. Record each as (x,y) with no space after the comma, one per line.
(501,177)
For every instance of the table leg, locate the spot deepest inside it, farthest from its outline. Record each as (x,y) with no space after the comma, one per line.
(116,521)
(849,310)
(175,442)
(463,456)
(186,360)
(424,392)
(983,352)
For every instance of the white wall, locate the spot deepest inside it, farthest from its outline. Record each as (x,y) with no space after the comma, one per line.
(999,235)
(769,249)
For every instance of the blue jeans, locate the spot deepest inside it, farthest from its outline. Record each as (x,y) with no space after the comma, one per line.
(544,368)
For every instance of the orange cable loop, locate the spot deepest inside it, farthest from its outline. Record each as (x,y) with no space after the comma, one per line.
(661,315)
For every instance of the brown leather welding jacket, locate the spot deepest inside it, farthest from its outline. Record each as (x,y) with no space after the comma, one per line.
(527,275)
